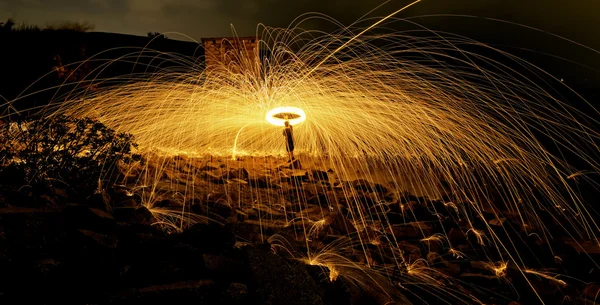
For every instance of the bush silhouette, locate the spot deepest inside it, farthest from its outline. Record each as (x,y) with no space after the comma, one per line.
(81,153)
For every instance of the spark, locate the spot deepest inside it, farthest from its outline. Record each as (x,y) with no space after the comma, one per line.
(498,268)
(478,235)
(547,276)
(456,253)
(356,106)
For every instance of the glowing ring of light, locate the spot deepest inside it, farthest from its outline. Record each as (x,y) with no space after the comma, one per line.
(276,116)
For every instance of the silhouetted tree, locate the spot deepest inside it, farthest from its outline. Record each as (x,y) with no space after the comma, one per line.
(8,25)
(156,35)
(11,26)
(70,26)
(24,27)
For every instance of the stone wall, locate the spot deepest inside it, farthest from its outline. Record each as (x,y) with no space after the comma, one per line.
(232,53)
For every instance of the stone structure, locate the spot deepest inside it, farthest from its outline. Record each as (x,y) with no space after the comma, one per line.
(232,53)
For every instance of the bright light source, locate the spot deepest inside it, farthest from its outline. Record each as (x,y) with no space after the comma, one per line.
(278,116)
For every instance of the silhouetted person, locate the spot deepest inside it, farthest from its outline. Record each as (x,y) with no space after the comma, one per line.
(288,133)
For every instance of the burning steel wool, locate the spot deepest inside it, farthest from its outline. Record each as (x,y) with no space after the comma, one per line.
(404,142)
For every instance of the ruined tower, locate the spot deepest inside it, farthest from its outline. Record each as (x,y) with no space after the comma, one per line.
(235,54)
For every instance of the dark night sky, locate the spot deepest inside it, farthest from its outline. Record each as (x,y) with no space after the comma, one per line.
(574,19)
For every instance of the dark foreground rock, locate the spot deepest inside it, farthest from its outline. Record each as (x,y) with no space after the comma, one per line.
(252,232)
(274,282)
(53,257)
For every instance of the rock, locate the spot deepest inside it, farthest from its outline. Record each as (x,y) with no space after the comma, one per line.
(260,181)
(583,246)
(169,204)
(239,181)
(12,175)
(326,184)
(368,201)
(120,192)
(389,197)
(232,219)
(450,269)
(239,173)
(362,184)
(319,175)
(481,279)
(284,178)
(433,245)
(319,200)
(236,294)
(210,166)
(100,240)
(341,224)
(139,215)
(457,236)
(380,188)
(241,216)
(412,230)
(188,256)
(275,282)
(295,164)
(410,249)
(407,197)
(47,276)
(209,237)
(184,292)
(46,267)
(223,267)
(298,177)
(46,199)
(221,208)
(100,201)
(82,217)
(252,213)
(128,203)
(480,265)
(498,222)
(212,177)
(434,258)
(592,291)
(143,216)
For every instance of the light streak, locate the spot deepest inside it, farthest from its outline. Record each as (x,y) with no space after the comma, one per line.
(279,115)
(357,106)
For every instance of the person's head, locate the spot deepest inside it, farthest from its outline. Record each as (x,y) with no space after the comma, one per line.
(286,123)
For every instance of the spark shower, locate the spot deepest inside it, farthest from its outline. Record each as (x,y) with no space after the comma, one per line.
(416,111)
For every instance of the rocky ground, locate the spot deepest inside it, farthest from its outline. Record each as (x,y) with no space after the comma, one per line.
(248,233)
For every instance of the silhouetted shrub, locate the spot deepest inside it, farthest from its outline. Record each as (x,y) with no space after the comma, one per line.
(70,26)
(81,153)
